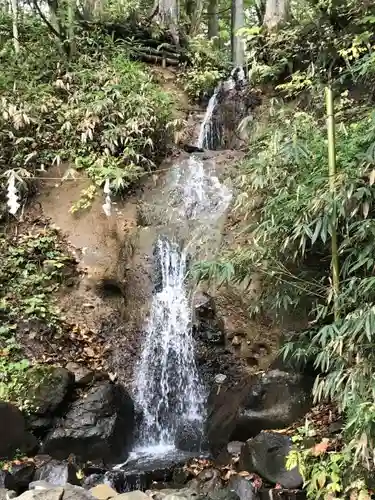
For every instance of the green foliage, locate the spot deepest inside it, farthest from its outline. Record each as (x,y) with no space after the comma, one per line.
(323,39)
(289,245)
(101,113)
(207,69)
(32,269)
(327,472)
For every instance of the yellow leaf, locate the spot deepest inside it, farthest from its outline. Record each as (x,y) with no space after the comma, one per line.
(365,209)
(372,177)
(79,474)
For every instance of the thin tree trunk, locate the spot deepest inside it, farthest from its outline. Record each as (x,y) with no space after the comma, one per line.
(16,42)
(213,20)
(71,26)
(196,17)
(332,185)
(237,22)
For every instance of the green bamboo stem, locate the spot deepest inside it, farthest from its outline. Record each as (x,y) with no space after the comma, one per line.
(332,186)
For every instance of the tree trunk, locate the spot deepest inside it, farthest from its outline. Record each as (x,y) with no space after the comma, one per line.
(71,26)
(276,13)
(16,42)
(237,22)
(166,13)
(213,20)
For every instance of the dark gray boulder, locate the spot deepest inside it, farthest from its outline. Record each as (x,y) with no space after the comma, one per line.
(18,477)
(266,455)
(209,481)
(189,437)
(13,435)
(206,324)
(271,400)
(48,397)
(99,425)
(243,488)
(224,494)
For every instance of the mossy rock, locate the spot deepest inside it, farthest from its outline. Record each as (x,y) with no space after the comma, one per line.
(46,388)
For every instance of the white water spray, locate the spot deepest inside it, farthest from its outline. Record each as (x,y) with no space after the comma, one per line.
(167,385)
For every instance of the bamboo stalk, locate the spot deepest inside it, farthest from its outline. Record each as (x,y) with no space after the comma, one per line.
(335,266)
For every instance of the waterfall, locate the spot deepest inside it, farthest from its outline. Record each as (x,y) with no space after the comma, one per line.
(167,386)
(209,135)
(206,133)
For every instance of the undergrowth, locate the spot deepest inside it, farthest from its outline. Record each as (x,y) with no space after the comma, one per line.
(289,228)
(101,113)
(31,271)
(208,66)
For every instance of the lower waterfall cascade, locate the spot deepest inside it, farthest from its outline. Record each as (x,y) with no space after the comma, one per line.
(167,387)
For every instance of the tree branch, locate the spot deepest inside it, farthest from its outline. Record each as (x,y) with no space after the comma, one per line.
(45,20)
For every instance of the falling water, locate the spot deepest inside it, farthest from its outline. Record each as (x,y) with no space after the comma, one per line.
(167,385)
(208,135)
(206,132)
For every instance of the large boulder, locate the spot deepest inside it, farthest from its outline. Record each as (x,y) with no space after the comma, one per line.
(49,389)
(271,400)
(67,492)
(13,435)
(99,425)
(266,455)
(243,487)
(18,477)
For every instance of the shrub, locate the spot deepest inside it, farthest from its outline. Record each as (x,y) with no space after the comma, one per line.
(101,112)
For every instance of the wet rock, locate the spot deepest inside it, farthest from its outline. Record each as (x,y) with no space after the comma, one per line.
(189,437)
(271,400)
(18,477)
(234,447)
(103,492)
(16,436)
(113,479)
(57,473)
(224,494)
(210,481)
(97,426)
(206,323)
(141,472)
(235,104)
(243,488)
(266,454)
(180,476)
(93,480)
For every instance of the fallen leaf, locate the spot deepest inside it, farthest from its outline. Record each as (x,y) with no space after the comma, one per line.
(321,447)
